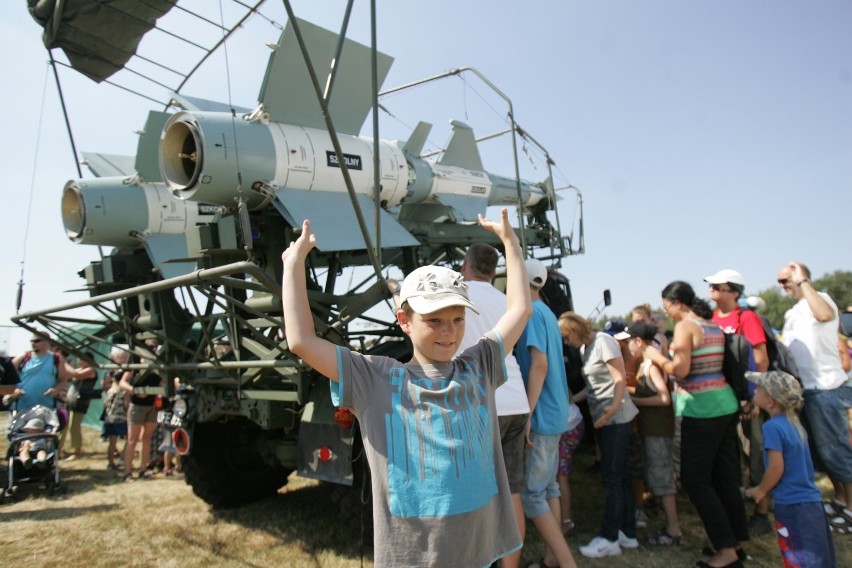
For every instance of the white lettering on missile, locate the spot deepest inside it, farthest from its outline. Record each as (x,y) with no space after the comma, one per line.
(352,161)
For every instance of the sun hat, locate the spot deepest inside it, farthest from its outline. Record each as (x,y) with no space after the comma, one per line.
(432,288)
(780,386)
(34,424)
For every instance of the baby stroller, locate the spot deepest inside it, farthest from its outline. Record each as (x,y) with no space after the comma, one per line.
(33,448)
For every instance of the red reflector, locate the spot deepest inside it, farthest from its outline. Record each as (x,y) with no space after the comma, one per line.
(158,402)
(180,439)
(325,454)
(344,417)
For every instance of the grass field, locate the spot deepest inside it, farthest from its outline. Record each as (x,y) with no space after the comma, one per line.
(100,521)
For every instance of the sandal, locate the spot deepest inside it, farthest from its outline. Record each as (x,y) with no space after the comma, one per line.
(838,521)
(663,537)
(567,526)
(128,478)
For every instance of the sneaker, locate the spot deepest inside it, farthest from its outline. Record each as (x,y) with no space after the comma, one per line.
(625,541)
(599,547)
(759,524)
(641,519)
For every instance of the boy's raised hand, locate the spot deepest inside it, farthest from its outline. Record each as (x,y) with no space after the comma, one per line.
(502,229)
(300,248)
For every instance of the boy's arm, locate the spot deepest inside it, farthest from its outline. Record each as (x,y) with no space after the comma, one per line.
(518,303)
(299,327)
(774,471)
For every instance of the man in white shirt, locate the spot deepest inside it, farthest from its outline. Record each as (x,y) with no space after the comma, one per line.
(810,332)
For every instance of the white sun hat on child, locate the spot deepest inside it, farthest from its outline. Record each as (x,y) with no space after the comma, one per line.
(432,288)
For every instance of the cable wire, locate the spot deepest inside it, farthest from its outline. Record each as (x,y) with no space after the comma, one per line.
(20,296)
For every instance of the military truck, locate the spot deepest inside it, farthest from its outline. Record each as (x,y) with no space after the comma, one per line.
(198,220)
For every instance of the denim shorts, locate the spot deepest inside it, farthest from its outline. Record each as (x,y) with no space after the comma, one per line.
(542,461)
(138,414)
(825,419)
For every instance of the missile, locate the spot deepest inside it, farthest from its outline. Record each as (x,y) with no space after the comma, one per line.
(282,154)
(202,154)
(123,211)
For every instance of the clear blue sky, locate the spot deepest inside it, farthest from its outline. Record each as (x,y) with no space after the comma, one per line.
(703,134)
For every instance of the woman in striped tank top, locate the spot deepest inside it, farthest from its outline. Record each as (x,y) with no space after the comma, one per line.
(709,462)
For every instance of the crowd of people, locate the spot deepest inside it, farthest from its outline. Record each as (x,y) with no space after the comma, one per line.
(47,377)
(476,434)
(448,434)
(457,450)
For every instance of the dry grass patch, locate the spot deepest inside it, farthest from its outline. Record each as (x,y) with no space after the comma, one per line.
(101,521)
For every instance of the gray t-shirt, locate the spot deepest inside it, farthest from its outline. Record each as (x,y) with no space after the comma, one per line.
(601,386)
(440,493)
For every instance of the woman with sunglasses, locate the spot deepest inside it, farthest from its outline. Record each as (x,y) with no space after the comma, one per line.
(709,409)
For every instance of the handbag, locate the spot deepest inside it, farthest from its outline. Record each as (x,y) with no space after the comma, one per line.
(72,397)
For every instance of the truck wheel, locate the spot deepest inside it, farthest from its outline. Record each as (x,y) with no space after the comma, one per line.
(225,467)
(355,503)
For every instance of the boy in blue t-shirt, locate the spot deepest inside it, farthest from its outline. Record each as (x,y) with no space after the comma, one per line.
(804,536)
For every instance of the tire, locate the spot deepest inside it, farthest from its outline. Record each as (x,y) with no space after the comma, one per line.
(355,502)
(225,467)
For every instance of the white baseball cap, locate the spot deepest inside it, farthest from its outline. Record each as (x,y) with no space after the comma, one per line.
(536,271)
(726,276)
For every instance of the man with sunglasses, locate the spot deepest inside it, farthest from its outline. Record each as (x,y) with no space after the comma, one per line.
(726,287)
(810,332)
(42,375)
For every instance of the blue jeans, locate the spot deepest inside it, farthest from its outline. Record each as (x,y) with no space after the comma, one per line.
(619,508)
(824,418)
(540,467)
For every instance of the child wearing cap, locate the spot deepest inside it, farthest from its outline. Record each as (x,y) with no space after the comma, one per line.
(440,492)
(804,536)
(657,426)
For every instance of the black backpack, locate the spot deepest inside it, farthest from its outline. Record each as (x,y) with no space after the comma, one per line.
(780,358)
(738,353)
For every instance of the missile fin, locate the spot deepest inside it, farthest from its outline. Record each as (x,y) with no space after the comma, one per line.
(462,150)
(465,207)
(194,103)
(148,149)
(163,250)
(287,93)
(327,209)
(107,165)
(414,144)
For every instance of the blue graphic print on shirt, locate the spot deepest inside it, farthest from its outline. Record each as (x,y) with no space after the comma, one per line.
(439,443)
